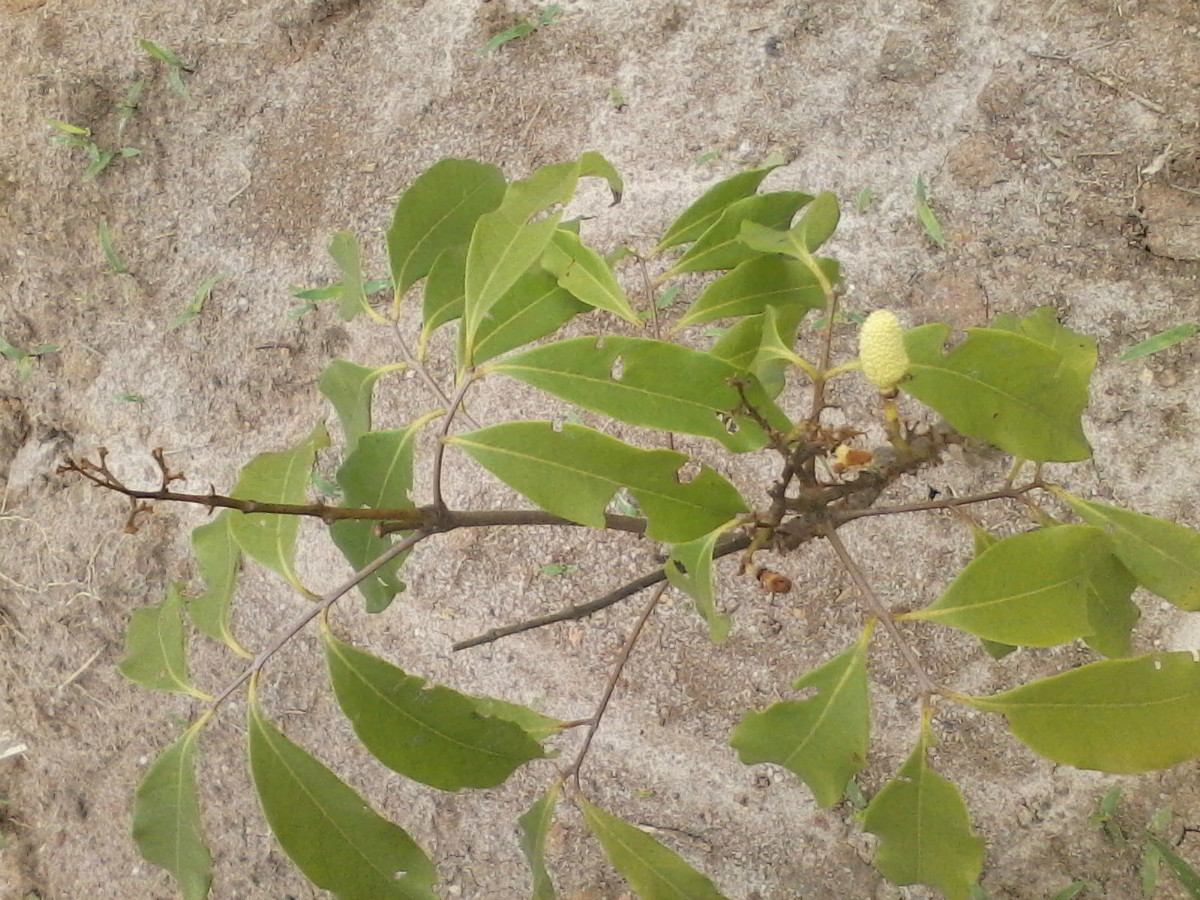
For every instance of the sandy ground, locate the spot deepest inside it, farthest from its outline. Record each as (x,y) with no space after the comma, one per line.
(1060,142)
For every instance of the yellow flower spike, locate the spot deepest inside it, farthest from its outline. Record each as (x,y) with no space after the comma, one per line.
(881,350)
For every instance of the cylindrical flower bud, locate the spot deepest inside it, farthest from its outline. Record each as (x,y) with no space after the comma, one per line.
(881,350)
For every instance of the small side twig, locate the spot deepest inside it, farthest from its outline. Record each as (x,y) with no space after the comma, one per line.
(423,373)
(611,685)
(880,610)
(439,454)
(583,610)
(841,516)
(323,604)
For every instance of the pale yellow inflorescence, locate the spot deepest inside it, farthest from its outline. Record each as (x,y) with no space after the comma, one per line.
(881,350)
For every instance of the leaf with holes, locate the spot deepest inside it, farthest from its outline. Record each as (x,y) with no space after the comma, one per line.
(651,383)
(328,831)
(1030,589)
(721,247)
(925,834)
(690,568)
(1010,388)
(430,734)
(218,560)
(1118,715)
(654,871)
(823,739)
(701,215)
(574,472)
(166,817)
(155,647)
(280,477)
(1162,556)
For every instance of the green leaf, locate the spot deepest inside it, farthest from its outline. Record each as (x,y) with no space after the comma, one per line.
(161,53)
(741,346)
(574,473)
(652,870)
(501,250)
(1162,556)
(532,308)
(430,734)
(360,545)
(982,540)
(701,215)
(1010,389)
(823,739)
(217,562)
(650,383)
(582,271)
(328,831)
(1118,715)
(437,213)
(815,227)
(925,215)
(533,723)
(1186,874)
(377,474)
(343,247)
(116,265)
(520,30)
(758,283)
(1071,891)
(349,387)
(155,647)
(535,826)
(1162,340)
(721,247)
(166,817)
(690,568)
(1111,611)
(279,477)
(1030,589)
(925,834)
(445,292)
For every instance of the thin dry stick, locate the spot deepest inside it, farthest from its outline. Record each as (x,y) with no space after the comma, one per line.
(583,610)
(324,602)
(423,373)
(840,516)
(881,611)
(611,686)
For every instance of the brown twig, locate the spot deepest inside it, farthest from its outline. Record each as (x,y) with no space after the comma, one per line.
(880,610)
(439,453)
(611,685)
(323,604)
(840,516)
(423,373)
(581,611)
